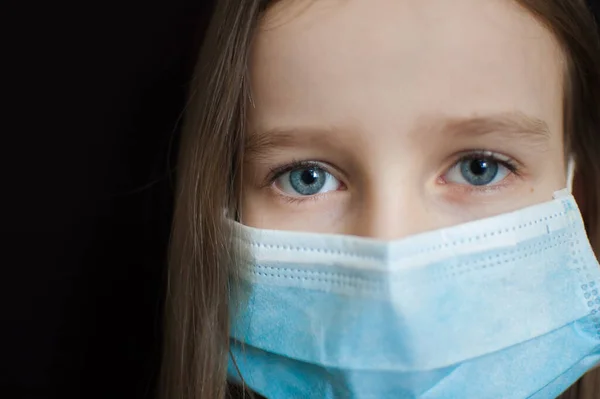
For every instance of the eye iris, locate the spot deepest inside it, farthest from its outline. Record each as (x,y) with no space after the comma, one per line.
(479,172)
(308,181)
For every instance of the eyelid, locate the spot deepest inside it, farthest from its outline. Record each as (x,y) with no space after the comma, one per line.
(511,163)
(278,171)
(514,165)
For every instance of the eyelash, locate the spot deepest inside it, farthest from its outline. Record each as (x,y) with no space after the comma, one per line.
(276,172)
(511,164)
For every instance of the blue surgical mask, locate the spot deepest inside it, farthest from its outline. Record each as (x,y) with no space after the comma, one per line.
(502,308)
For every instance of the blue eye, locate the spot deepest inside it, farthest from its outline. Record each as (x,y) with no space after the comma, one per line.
(478,171)
(306,181)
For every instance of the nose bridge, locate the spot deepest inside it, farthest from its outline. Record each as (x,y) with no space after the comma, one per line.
(392,211)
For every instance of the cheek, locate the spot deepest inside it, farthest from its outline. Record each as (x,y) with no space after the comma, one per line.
(325,214)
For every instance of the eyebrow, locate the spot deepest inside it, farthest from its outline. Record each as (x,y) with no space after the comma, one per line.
(510,125)
(262,141)
(528,130)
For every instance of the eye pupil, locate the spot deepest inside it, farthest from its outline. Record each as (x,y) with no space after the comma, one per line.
(309,176)
(479,166)
(308,181)
(480,171)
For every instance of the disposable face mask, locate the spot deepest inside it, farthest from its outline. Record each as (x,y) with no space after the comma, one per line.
(500,308)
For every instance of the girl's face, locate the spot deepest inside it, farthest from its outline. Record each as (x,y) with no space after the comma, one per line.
(386,118)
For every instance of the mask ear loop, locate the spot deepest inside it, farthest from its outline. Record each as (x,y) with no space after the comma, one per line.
(570,173)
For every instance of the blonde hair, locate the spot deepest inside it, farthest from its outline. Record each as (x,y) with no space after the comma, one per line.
(202,259)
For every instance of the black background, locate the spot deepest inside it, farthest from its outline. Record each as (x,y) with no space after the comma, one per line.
(91,94)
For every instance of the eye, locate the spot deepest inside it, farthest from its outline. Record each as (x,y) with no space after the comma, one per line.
(479,170)
(306,180)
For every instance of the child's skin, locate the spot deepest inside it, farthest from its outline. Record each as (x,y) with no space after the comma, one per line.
(386,97)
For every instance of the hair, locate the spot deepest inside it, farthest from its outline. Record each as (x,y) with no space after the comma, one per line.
(202,259)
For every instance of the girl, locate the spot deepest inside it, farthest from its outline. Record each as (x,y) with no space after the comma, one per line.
(374,202)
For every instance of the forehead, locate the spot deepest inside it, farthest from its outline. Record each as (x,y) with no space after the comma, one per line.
(392,62)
